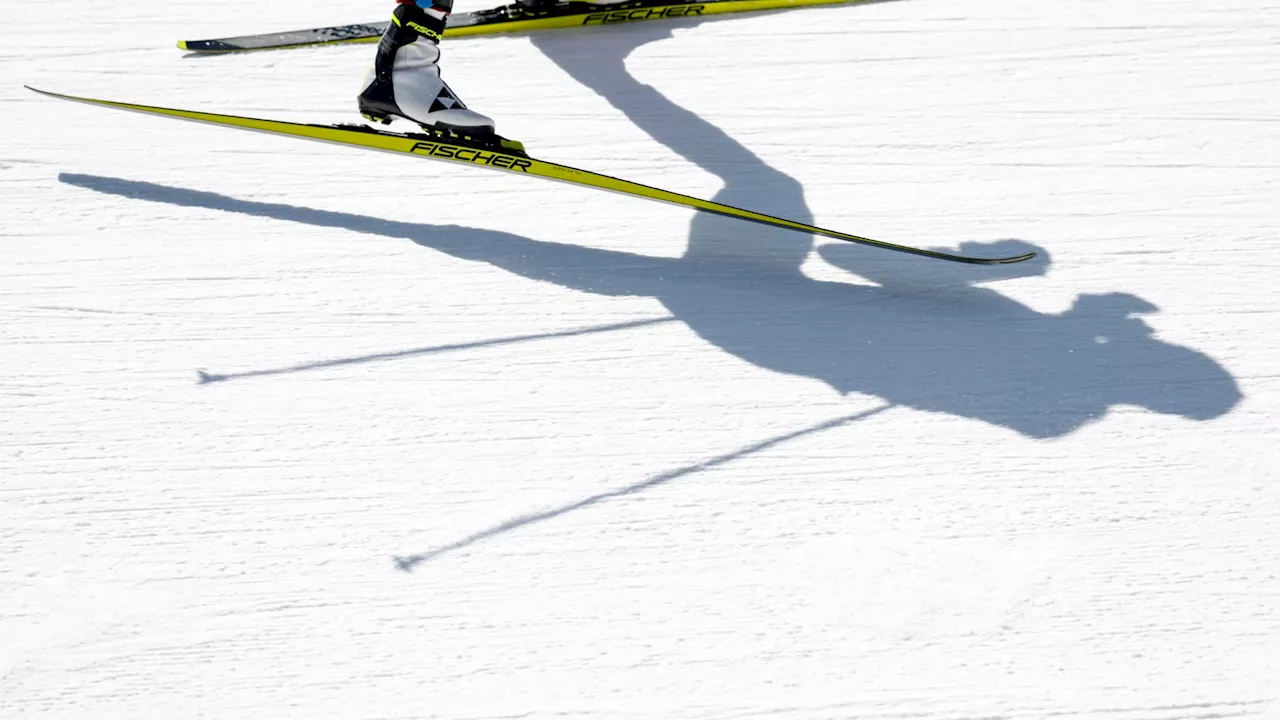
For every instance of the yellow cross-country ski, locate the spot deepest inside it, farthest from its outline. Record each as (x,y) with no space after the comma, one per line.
(505,19)
(497,153)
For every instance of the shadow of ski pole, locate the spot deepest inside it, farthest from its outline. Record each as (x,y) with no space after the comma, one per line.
(208,377)
(408,563)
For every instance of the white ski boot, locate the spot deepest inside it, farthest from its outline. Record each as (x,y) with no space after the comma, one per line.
(405,79)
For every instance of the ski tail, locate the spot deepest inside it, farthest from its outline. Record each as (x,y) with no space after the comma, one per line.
(497,153)
(336,35)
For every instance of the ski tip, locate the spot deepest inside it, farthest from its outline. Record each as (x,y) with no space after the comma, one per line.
(50,93)
(1014,259)
(182,45)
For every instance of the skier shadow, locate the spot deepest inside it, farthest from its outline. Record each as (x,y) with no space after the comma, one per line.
(925,336)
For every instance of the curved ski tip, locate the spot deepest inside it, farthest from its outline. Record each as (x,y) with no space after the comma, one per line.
(50,93)
(1014,259)
(182,45)
(1002,252)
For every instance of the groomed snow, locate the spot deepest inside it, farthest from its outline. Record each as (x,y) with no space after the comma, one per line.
(297,431)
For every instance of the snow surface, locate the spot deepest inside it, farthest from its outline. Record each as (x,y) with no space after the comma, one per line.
(472,446)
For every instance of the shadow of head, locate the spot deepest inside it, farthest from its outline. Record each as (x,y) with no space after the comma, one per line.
(1133,367)
(940,341)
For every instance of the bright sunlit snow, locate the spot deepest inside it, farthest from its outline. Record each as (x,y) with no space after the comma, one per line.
(299,431)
